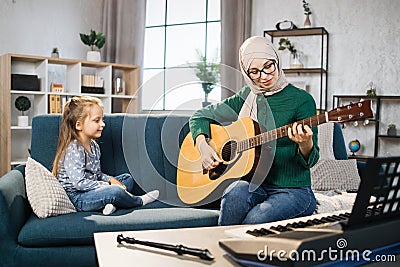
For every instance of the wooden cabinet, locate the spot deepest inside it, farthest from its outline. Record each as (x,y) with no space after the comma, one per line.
(15,140)
(380,133)
(321,56)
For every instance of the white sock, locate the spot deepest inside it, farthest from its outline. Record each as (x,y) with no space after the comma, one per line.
(108,209)
(150,197)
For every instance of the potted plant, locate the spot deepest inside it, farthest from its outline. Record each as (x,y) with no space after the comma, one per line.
(295,63)
(95,40)
(22,103)
(208,73)
(371,91)
(54,53)
(391,130)
(307,12)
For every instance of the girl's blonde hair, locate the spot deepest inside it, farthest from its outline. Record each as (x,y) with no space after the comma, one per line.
(76,109)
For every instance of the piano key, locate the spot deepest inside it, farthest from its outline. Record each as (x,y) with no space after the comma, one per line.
(241,230)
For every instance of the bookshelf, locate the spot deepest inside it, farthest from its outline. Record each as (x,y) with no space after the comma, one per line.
(14,139)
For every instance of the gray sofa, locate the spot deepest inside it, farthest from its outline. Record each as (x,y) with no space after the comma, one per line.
(146,146)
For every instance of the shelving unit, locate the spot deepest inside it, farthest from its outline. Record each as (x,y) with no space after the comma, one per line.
(15,140)
(377,119)
(322,70)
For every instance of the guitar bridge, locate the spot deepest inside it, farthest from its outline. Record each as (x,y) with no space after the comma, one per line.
(216,172)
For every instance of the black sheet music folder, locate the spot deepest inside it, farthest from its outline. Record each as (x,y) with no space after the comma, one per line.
(372,225)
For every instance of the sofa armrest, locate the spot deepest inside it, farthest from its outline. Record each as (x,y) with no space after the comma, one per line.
(14,208)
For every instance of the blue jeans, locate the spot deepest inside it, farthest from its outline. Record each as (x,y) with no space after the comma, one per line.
(267,203)
(113,194)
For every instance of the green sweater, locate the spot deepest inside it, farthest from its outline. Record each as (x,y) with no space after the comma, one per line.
(289,168)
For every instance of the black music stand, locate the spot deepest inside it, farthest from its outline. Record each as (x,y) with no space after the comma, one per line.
(378,197)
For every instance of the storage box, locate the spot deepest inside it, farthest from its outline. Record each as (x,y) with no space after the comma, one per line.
(92,90)
(24,82)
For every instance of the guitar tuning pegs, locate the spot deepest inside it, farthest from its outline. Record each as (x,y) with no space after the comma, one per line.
(348,107)
(339,118)
(355,123)
(360,104)
(366,122)
(350,116)
(361,114)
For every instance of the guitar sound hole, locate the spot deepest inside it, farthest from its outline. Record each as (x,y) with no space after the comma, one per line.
(229,151)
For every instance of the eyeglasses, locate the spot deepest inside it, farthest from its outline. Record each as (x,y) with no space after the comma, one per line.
(268,68)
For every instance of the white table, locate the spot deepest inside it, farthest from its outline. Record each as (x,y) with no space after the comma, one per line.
(111,254)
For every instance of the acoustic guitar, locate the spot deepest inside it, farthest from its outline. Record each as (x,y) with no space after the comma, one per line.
(239,145)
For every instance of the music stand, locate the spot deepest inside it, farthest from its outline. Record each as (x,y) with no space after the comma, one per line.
(378,196)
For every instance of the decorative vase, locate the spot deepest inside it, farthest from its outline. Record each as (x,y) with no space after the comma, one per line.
(295,62)
(307,22)
(23,121)
(391,131)
(93,56)
(205,103)
(207,88)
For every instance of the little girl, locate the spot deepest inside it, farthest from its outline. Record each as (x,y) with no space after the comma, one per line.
(77,162)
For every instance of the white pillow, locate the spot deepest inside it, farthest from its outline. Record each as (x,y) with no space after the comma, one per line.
(335,175)
(45,194)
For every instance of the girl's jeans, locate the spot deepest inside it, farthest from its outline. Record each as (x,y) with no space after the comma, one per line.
(111,194)
(267,203)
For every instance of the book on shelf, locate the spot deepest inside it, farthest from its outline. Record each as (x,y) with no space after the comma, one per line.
(92,81)
(54,104)
(92,84)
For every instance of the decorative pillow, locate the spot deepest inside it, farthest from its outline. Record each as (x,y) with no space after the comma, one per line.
(325,141)
(45,194)
(335,175)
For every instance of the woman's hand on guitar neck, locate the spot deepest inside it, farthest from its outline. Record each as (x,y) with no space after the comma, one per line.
(303,137)
(208,156)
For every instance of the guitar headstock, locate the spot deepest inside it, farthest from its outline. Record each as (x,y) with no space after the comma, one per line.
(352,112)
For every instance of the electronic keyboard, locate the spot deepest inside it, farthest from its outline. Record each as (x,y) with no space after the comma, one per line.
(282,244)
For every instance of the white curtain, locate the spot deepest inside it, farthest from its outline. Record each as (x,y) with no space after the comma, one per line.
(235,28)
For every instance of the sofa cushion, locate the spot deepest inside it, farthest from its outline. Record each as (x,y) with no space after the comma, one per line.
(45,194)
(78,228)
(42,149)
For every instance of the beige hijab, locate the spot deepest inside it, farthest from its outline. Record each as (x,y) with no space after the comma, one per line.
(260,47)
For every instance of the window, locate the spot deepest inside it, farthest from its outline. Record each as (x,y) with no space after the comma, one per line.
(175,31)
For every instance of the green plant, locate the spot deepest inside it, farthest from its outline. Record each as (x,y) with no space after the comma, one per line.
(93,39)
(392,126)
(22,103)
(307,10)
(285,43)
(207,72)
(55,50)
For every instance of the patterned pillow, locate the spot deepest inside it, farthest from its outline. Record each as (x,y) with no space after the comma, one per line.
(335,175)
(45,194)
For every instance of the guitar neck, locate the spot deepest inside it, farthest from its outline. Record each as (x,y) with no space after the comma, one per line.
(280,132)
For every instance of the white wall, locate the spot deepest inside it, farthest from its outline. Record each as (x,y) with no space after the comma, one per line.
(34,27)
(364,38)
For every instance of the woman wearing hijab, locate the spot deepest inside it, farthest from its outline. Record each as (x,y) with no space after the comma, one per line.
(286,190)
